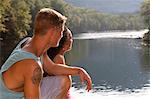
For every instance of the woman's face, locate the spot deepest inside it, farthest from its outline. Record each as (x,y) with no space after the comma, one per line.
(68,43)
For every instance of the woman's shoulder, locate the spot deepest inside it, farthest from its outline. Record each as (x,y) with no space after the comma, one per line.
(59,59)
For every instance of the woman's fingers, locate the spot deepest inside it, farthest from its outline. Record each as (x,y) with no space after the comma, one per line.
(84,76)
(89,84)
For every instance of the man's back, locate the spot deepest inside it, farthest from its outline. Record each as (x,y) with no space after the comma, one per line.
(14,77)
(13,72)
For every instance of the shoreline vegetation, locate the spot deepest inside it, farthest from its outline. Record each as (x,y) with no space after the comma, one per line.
(146,38)
(16,20)
(145,13)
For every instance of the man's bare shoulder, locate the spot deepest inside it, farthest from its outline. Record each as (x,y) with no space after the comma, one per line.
(32,71)
(23,65)
(28,65)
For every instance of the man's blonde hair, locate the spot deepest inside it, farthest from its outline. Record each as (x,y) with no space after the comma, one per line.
(48,18)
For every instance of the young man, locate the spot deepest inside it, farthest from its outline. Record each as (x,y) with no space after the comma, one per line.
(21,74)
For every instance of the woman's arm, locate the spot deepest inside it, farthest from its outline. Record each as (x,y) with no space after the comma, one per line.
(60,69)
(59,59)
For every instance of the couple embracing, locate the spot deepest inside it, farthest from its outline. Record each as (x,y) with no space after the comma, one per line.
(21,76)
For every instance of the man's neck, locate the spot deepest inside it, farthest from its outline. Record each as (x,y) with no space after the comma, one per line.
(37,45)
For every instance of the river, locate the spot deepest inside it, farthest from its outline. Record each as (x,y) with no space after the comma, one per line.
(118,62)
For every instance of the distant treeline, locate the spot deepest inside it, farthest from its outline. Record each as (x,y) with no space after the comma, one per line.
(18,16)
(17,19)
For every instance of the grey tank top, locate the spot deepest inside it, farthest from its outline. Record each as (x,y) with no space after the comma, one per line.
(17,55)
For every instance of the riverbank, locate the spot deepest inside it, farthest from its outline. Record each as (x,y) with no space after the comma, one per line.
(146,38)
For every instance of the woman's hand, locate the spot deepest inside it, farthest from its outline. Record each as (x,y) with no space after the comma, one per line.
(84,76)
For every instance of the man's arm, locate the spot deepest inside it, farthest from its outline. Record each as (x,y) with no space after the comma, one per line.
(60,69)
(32,79)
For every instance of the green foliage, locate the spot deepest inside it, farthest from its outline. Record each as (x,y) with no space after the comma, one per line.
(83,20)
(21,16)
(145,12)
(15,20)
(4,7)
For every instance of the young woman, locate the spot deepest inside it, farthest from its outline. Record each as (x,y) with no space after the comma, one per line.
(65,45)
(56,54)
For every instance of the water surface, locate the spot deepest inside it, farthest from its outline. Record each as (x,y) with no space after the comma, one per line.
(116,64)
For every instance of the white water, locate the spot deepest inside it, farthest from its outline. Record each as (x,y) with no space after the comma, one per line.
(143,93)
(82,94)
(126,34)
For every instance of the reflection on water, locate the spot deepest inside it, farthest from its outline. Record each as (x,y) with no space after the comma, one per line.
(121,65)
(145,59)
(115,34)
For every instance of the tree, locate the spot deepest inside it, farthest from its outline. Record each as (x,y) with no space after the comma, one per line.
(4,7)
(15,21)
(145,12)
